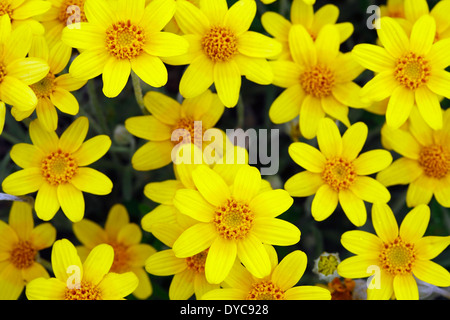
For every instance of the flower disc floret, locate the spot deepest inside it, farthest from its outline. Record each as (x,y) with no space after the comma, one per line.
(339,173)
(412,71)
(197,262)
(220,44)
(265,290)
(397,257)
(59,167)
(318,81)
(45,87)
(86,291)
(233,220)
(23,254)
(124,40)
(435,161)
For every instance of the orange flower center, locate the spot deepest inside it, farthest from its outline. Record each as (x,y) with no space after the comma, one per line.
(58,167)
(412,71)
(339,173)
(121,258)
(318,81)
(86,291)
(265,290)
(45,87)
(188,131)
(341,290)
(435,161)
(2,72)
(73,10)
(5,8)
(233,220)
(220,44)
(125,40)
(23,255)
(197,263)
(397,257)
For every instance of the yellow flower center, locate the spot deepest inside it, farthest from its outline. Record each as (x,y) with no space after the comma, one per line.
(45,87)
(327,265)
(189,132)
(125,40)
(220,44)
(2,72)
(318,81)
(397,257)
(121,258)
(339,173)
(265,290)
(412,71)
(23,255)
(5,8)
(435,161)
(233,220)
(197,263)
(73,9)
(86,291)
(58,167)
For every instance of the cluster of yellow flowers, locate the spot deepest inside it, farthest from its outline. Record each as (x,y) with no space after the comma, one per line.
(219,221)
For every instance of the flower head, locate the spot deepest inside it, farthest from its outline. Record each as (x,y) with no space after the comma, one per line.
(57,169)
(119,39)
(280,284)
(233,221)
(396,255)
(19,252)
(337,173)
(24,13)
(410,70)
(325,266)
(125,238)
(90,280)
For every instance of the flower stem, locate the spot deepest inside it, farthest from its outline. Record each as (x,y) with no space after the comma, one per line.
(92,91)
(137,90)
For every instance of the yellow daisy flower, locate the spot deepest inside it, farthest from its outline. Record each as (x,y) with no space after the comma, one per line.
(318,82)
(195,115)
(424,163)
(124,237)
(24,12)
(21,242)
(279,285)
(302,13)
(56,169)
(90,280)
(222,49)
(53,90)
(17,71)
(123,38)
(409,70)
(337,173)
(396,255)
(233,221)
(188,273)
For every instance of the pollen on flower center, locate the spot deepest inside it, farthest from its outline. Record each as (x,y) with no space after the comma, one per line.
(233,220)
(125,40)
(197,263)
(121,258)
(265,290)
(73,10)
(188,131)
(435,161)
(412,71)
(85,291)
(2,72)
(339,173)
(23,255)
(318,81)
(5,8)
(220,44)
(327,264)
(397,257)
(45,87)
(58,167)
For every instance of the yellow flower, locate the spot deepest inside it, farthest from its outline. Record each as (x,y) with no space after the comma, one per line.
(124,237)
(53,90)
(302,13)
(56,169)
(409,70)
(394,9)
(222,49)
(318,82)
(188,273)
(123,38)
(233,221)
(279,285)
(193,116)
(17,71)
(74,280)
(24,12)
(21,242)
(337,173)
(424,163)
(396,255)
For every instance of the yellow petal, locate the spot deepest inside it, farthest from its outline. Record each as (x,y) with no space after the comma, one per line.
(191,203)
(271,203)
(47,115)
(116,286)
(287,105)
(257,45)
(399,106)
(353,140)
(99,13)
(307,157)
(23,182)
(166,44)
(329,138)
(92,181)
(227,79)
(72,138)
(194,240)
(420,191)
(429,107)
(89,233)
(276,232)
(16,93)
(150,69)
(220,259)
(405,287)
(256,70)
(311,113)
(164,263)
(92,150)
(212,187)
(384,222)
(89,64)
(370,190)
(372,161)
(240,16)
(45,289)
(164,108)
(302,46)
(64,257)
(247,183)
(72,201)
(303,184)
(290,270)
(361,242)
(29,70)
(152,155)
(415,224)
(373,57)
(47,203)
(198,77)
(393,37)
(423,35)
(21,219)
(191,19)
(115,76)
(431,273)
(324,203)
(26,155)
(276,25)
(83,36)
(254,256)
(353,206)
(98,263)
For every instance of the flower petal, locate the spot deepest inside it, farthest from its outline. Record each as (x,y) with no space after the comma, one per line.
(373,57)
(405,287)
(164,263)
(64,257)
(423,35)
(361,242)
(271,203)
(329,138)
(26,155)
(194,240)
(152,155)
(415,224)
(198,77)
(372,161)
(289,271)
(16,93)
(150,69)
(303,184)
(221,257)
(287,105)
(302,46)
(73,136)
(65,101)
(393,37)
(399,106)
(370,190)
(115,76)
(431,273)
(240,16)
(92,181)
(253,256)
(353,140)
(23,182)
(324,203)
(227,79)
(307,157)
(89,64)
(211,185)
(191,203)
(353,206)
(384,222)
(429,107)
(247,183)
(47,203)
(91,150)
(72,201)
(98,263)
(311,113)
(191,19)
(276,232)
